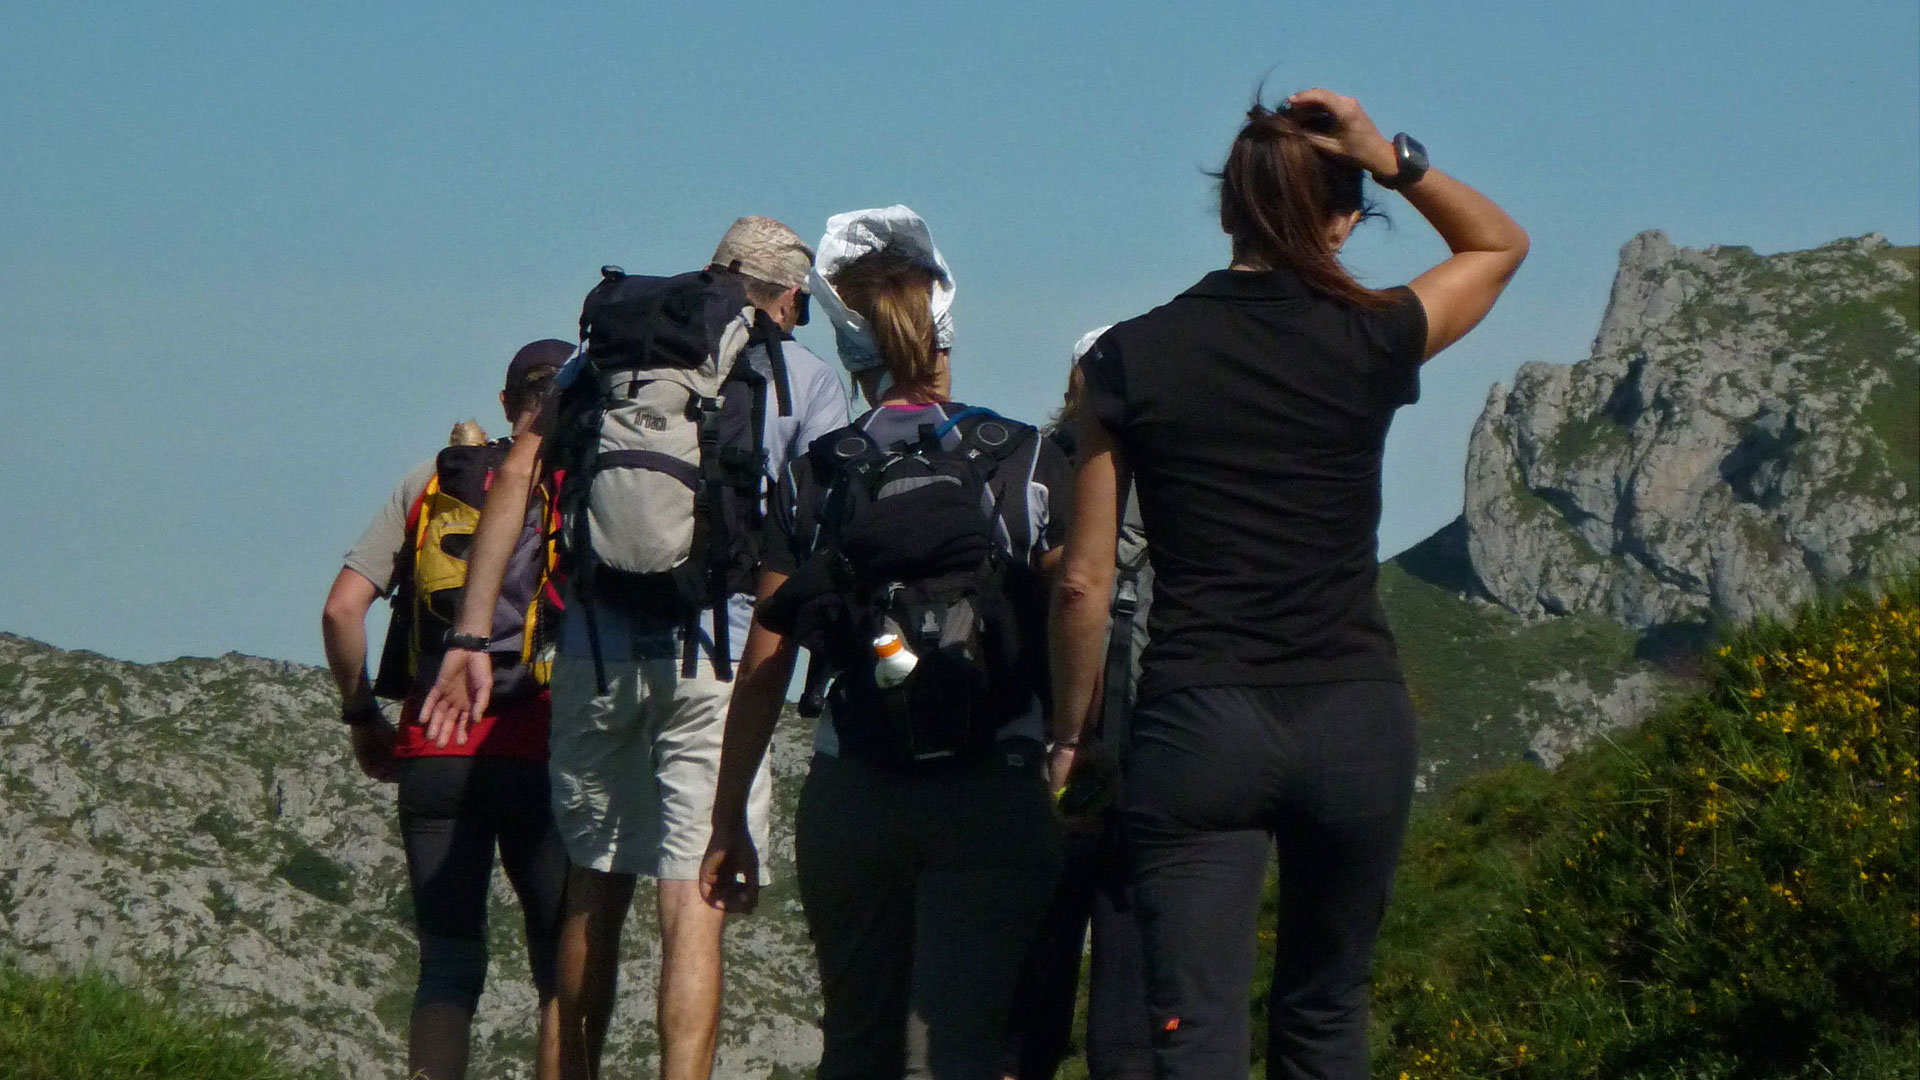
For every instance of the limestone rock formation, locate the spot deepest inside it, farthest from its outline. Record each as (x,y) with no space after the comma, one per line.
(1745,433)
(197,826)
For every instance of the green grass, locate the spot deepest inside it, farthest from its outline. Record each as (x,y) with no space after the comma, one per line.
(91,1026)
(1468,665)
(1583,439)
(1892,413)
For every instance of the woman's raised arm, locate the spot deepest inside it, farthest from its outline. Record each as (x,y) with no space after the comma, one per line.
(1487,245)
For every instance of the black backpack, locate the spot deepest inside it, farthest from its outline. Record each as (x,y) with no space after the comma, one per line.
(911,542)
(661,441)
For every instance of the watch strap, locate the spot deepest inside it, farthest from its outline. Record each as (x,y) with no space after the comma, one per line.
(474,642)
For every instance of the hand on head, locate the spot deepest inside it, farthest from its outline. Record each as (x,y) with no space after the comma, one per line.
(1351,136)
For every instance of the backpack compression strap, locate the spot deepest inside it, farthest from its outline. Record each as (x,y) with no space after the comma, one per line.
(710,515)
(1116,704)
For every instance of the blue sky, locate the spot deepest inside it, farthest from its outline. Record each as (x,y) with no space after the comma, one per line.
(255,259)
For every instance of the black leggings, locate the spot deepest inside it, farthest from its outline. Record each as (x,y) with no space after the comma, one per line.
(453,811)
(1215,776)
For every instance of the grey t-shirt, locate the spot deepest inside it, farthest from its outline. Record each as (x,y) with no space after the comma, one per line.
(375,554)
(819,406)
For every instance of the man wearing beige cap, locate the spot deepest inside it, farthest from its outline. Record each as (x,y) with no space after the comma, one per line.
(633,768)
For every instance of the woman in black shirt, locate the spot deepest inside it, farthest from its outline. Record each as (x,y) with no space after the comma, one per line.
(1250,412)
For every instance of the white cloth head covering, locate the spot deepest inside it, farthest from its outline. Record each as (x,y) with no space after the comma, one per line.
(1086,341)
(860,232)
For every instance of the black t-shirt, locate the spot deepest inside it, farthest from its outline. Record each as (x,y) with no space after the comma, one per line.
(1253,412)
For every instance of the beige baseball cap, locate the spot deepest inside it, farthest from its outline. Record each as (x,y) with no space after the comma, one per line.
(762,247)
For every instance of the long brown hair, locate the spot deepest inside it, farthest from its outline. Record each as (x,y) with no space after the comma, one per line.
(1277,193)
(894,293)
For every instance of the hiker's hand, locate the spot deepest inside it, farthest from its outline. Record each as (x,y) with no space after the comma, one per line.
(730,873)
(458,696)
(373,750)
(1354,137)
(1086,804)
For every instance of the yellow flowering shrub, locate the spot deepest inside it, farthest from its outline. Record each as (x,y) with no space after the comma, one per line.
(1731,891)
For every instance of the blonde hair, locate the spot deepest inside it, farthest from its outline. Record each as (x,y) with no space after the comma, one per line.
(894,293)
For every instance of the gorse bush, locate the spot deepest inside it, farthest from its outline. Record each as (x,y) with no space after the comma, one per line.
(1731,891)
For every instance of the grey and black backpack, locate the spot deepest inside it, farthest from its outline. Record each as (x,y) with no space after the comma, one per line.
(660,443)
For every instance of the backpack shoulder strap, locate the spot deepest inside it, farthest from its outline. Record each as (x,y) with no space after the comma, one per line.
(767,334)
(839,460)
(987,434)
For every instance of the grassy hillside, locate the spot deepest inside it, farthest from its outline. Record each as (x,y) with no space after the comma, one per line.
(91,1026)
(1732,891)
(1480,676)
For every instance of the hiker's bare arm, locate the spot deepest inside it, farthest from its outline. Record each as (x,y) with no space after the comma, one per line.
(343,637)
(466,676)
(1082,591)
(1487,245)
(730,873)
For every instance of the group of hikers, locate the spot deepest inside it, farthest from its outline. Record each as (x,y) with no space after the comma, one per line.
(1090,674)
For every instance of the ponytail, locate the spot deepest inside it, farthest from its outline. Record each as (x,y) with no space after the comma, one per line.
(1277,194)
(894,294)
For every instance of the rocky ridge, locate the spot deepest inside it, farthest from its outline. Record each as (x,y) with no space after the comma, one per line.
(1744,435)
(198,827)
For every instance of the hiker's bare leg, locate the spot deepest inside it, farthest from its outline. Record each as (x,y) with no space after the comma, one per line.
(546,1052)
(438,1039)
(689,981)
(588,966)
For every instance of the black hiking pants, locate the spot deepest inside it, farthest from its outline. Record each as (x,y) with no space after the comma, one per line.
(1215,777)
(922,891)
(454,811)
(1091,895)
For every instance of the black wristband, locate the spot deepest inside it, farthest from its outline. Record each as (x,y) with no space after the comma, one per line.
(474,642)
(366,714)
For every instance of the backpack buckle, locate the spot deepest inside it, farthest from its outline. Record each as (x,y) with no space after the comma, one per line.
(707,419)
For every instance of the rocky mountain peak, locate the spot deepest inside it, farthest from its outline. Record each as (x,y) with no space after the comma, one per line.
(1745,433)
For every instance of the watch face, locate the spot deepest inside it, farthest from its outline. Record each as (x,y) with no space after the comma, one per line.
(1413,156)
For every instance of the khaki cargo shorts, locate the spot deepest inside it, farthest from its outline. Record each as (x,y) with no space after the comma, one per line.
(634,769)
